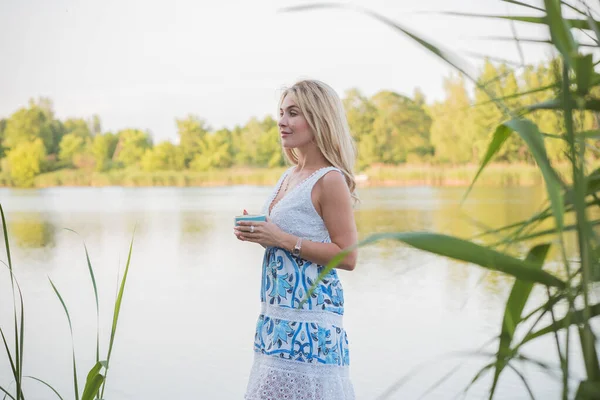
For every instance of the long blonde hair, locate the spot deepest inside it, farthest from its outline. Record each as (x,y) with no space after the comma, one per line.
(324,112)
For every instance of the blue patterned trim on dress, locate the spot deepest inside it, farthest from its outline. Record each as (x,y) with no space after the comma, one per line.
(307,342)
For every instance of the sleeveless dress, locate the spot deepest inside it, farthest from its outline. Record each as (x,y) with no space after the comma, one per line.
(300,345)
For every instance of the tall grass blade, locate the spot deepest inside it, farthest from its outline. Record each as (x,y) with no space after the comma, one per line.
(6,393)
(450,58)
(520,375)
(584,72)
(575,317)
(501,133)
(559,105)
(94,381)
(584,232)
(593,24)
(398,384)
(18,332)
(10,359)
(546,20)
(21,344)
(591,355)
(478,376)
(458,249)
(516,38)
(516,18)
(440,381)
(560,31)
(116,313)
(48,385)
(92,387)
(513,310)
(530,133)
(91,271)
(72,341)
(577,10)
(588,390)
(543,233)
(524,5)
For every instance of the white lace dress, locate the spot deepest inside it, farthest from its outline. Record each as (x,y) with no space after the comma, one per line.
(301,347)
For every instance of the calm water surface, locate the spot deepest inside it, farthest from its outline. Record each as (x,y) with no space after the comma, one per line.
(192,296)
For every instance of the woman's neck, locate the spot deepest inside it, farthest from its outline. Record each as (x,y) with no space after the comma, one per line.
(311,159)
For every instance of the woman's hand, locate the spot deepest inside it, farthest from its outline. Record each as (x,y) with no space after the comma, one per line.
(265,233)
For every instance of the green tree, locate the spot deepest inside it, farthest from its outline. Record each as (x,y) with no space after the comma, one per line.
(486,115)
(30,123)
(2,129)
(191,131)
(26,160)
(270,153)
(535,77)
(70,145)
(246,140)
(95,125)
(78,127)
(215,152)
(103,149)
(132,145)
(164,156)
(361,114)
(419,97)
(514,149)
(401,127)
(452,129)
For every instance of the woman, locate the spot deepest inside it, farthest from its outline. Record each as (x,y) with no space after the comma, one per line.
(301,348)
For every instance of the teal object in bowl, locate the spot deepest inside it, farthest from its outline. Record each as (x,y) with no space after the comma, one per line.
(250,217)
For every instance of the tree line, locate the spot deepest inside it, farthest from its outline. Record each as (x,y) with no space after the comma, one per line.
(389,128)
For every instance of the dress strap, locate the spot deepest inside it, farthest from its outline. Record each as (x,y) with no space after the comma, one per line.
(318,174)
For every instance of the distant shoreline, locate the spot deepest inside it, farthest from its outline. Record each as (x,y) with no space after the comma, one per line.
(497,175)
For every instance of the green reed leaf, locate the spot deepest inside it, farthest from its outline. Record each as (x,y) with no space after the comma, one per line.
(94,381)
(575,317)
(523,4)
(116,312)
(47,384)
(530,133)
(72,341)
(588,390)
(92,276)
(513,310)
(584,72)
(501,133)
(6,393)
(458,249)
(560,32)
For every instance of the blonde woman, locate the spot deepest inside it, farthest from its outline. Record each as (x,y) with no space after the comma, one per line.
(301,347)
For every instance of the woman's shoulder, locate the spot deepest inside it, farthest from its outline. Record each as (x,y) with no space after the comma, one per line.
(332,184)
(333,178)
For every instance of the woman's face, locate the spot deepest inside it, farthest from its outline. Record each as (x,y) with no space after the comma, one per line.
(293,127)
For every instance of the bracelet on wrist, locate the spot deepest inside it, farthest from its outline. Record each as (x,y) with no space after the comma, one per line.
(297,248)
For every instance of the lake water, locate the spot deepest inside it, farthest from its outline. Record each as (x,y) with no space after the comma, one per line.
(192,297)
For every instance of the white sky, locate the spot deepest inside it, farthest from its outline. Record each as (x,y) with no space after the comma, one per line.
(142,63)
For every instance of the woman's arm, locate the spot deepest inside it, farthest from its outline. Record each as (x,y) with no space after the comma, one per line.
(332,201)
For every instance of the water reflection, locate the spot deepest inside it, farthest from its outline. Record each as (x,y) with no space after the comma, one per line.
(190,274)
(32,231)
(194,224)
